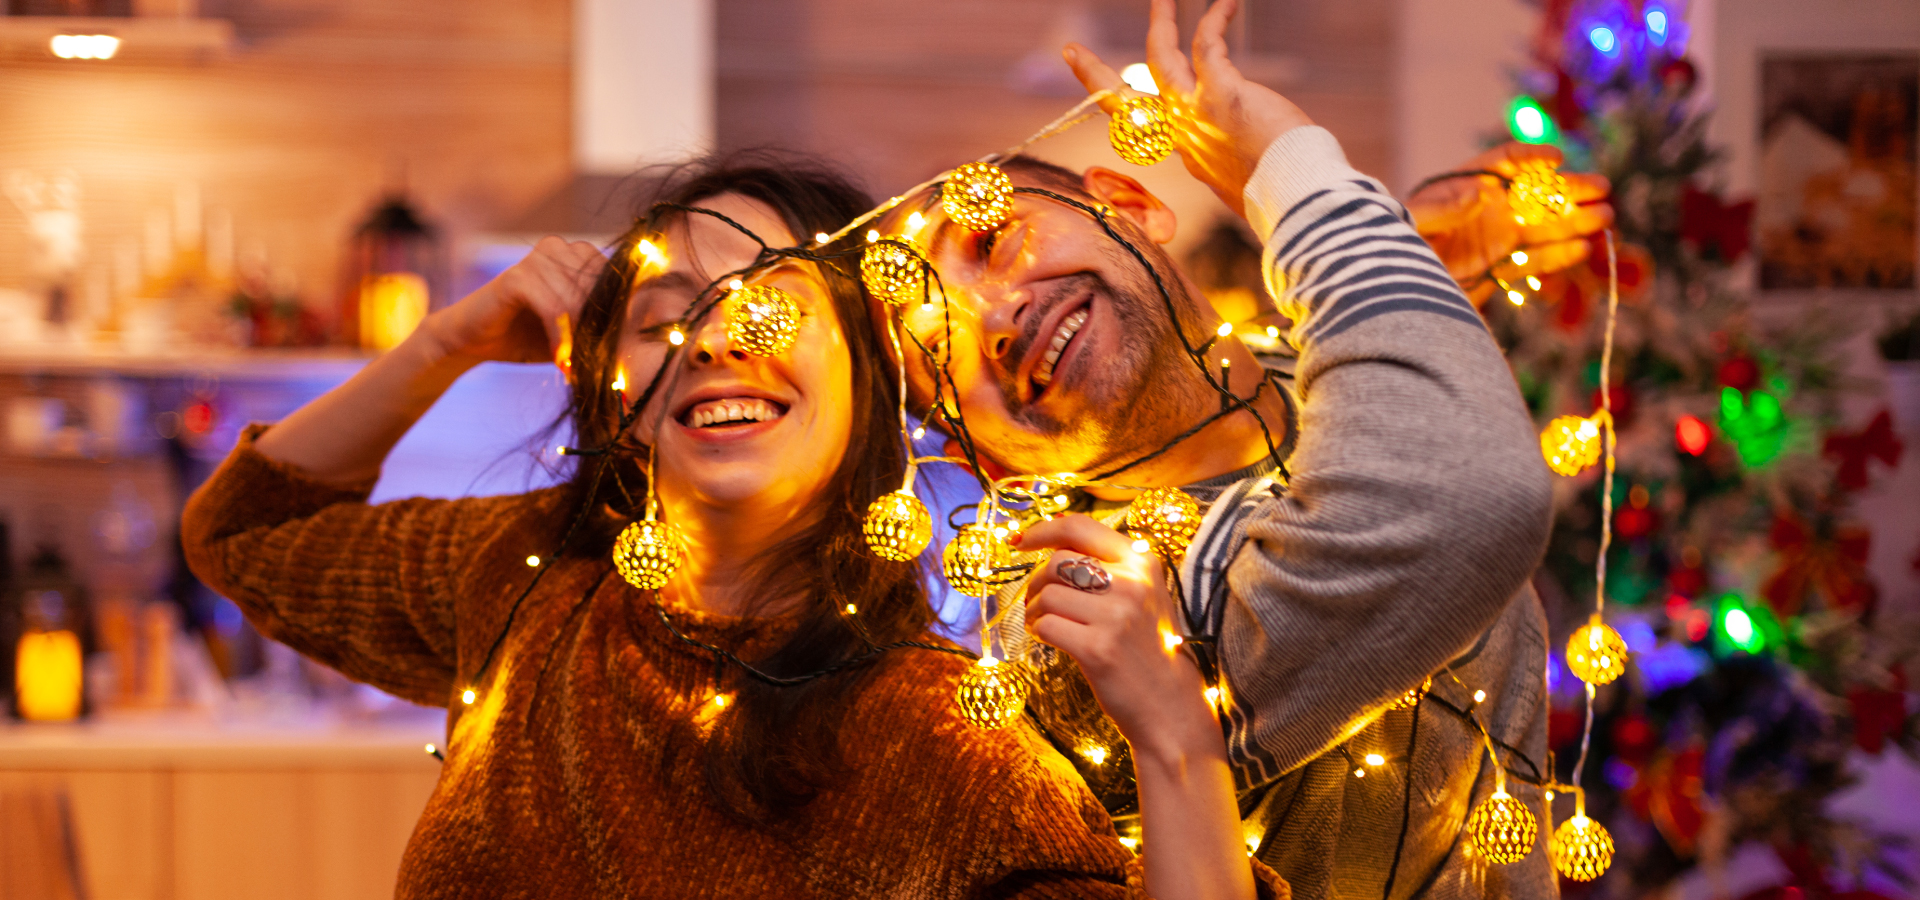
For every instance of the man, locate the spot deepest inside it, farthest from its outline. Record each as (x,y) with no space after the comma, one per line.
(1390,554)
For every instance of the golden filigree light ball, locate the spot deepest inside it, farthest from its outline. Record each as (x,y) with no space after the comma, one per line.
(1141,130)
(893,272)
(1502,828)
(762,320)
(1571,444)
(978,196)
(1167,518)
(897,526)
(992,693)
(1581,849)
(1596,654)
(1539,194)
(970,559)
(1412,697)
(648,552)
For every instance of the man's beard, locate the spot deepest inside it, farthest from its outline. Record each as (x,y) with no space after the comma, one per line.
(1134,401)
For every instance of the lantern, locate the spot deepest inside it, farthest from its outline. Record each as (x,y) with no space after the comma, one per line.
(394,266)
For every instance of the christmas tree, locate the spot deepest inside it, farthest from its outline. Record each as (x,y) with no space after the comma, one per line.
(1735,575)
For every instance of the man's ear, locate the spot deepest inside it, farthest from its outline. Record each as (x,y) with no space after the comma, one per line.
(1131,199)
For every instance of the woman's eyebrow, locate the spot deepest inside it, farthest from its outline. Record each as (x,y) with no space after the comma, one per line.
(667,281)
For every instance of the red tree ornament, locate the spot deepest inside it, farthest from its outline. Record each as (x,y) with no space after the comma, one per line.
(1738,372)
(1709,224)
(1853,449)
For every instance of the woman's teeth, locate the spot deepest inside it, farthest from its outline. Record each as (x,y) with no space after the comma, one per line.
(1043,373)
(733,409)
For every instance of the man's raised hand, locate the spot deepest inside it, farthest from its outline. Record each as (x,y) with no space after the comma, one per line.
(1222,123)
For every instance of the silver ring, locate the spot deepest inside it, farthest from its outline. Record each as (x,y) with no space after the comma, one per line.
(1085,574)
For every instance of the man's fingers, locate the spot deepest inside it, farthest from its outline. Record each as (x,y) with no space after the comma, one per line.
(1077,534)
(1545,259)
(1210,42)
(1586,220)
(1094,73)
(1170,68)
(1587,188)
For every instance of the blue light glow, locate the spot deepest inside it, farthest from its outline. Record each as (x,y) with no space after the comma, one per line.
(1657,26)
(1603,39)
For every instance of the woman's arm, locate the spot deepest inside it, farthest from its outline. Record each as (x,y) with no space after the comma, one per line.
(343,436)
(1190,819)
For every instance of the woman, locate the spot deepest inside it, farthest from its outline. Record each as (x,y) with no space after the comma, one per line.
(602,739)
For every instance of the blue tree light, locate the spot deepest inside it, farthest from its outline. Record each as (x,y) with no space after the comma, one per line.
(1657,26)
(1603,40)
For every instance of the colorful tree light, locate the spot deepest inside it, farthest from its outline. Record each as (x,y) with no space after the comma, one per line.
(1529,122)
(1692,435)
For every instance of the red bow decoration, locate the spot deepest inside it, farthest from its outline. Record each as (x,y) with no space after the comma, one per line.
(1833,565)
(1668,793)
(1876,441)
(1706,222)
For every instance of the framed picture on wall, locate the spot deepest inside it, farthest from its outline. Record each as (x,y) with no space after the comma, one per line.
(1837,193)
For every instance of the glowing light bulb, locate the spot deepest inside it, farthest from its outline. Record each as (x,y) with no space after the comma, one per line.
(970,559)
(1657,26)
(84,46)
(915,221)
(1226,328)
(1273,331)
(852,610)
(1739,627)
(735,284)
(431,749)
(897,527)
(1253,844)
(1167,518)
(762,320)
(919,432)
(1171,640)
(1533,282)
(1603,39)
(648,552)
(1502,828)
(1479,696)
(872,235)
(978,196)
(1516,298)
(650,253)
(1596,654)
(1130,843)
(533,561)
(1213,695)
(1538,194)
(1375,759)
(1581,849)
(1140,545)
(676,337)
(1141,130)
(619,382)
(1519,257)
(1094,753)
(1359,773)
(991,693)
(467,696)
(1570,444)
(720,700)
(1140,78)
(893,272)
(820,237)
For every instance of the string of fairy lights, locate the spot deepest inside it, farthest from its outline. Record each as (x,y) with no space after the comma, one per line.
(977,562)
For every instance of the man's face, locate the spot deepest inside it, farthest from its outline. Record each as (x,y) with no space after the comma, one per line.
(1061,351)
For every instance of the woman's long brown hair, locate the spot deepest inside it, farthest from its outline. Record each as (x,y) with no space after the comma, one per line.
(778,746)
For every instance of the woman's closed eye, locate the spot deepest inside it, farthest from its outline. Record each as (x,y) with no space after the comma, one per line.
(661,332)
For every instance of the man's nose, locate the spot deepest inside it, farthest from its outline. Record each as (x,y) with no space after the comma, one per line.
(1001,309)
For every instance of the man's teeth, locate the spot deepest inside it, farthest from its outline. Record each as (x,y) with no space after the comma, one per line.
(1043,373)
(732,409)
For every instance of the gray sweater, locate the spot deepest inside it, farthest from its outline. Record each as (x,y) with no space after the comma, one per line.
(1417,508)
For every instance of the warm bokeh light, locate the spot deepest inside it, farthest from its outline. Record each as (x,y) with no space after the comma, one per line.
(84,46)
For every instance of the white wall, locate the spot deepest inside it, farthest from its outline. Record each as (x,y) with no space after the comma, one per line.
(642,82)
(1452,81)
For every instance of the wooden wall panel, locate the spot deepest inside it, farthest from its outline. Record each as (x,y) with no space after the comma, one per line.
(319,107)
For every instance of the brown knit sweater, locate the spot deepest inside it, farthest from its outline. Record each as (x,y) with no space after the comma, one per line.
(576,772)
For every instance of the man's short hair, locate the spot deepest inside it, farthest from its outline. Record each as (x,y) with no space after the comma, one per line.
(1056,178)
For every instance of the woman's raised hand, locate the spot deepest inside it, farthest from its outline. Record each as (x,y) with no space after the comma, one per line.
(1222,123)
(522,314)
(1120,634)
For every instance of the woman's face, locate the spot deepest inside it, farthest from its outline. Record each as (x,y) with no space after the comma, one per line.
(733,429)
